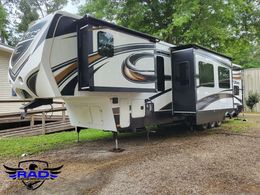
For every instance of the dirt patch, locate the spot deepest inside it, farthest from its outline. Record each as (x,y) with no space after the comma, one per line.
(173,162)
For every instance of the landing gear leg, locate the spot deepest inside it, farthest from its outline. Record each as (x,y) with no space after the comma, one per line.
(202,127)
(78,130)
(191,128)
(115,136)
(116,149)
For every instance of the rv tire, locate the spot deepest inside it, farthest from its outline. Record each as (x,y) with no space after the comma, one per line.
(212,125)
(218,123)
(202,127)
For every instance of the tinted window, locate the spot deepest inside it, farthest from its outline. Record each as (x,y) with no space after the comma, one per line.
(206,74)
(19,51)
(66,25)
(33,30)
(182,74)
(105,44)
(224,78)
(236,90)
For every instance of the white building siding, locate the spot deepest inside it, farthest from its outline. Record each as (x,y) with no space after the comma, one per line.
(5,87)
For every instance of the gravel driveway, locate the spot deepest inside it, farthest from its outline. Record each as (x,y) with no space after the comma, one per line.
(172,162)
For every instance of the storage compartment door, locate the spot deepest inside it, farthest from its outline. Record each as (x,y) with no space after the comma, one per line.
(183,82)
(124,113)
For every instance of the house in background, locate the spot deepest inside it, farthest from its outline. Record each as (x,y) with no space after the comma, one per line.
(6,92)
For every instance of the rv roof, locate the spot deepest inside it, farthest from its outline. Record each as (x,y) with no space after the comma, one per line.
(237,67)
(180,47)
(98,22)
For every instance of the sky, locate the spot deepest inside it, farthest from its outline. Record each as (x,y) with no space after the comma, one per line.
(73,7)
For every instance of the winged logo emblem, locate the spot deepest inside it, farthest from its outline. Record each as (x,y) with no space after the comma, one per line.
(33,173)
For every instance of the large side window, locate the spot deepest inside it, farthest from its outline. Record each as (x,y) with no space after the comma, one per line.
(224,78)
(206,74)
(105,44)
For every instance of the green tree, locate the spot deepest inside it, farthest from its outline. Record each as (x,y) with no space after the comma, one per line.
(31,10)
(22,12)
(3,21)
(28,14)
(47,6)
(145,16)
(226,26)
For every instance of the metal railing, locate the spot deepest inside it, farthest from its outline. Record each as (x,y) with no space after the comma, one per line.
(32,114)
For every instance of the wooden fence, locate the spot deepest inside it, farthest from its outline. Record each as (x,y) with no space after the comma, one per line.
(251,81)
(40,115)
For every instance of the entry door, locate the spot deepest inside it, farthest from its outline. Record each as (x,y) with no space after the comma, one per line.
(183,82)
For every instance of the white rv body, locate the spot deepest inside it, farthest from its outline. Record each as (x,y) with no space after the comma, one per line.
(110,77)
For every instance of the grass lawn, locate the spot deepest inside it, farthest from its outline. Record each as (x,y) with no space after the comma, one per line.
(14,147)
(236,126)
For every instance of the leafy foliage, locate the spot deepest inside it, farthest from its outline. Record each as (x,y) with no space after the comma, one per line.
(231,27)
(3,21)
(252,100)
(22,12)
(26,19)
(47,6)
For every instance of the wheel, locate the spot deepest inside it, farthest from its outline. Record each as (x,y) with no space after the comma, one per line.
(202,127)
(235,114)
(218,123)
(212,125)
(228,115)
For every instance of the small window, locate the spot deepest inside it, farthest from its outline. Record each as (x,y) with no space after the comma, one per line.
(224,78)
(105,44)
(160,73)
(236,90)
(206,74)
(182,74)
(114,100)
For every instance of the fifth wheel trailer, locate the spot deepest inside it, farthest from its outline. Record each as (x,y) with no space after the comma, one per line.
(114,78)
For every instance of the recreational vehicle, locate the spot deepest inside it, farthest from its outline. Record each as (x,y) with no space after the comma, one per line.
(113,78)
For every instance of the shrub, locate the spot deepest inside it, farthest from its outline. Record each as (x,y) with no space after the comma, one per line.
(252,100)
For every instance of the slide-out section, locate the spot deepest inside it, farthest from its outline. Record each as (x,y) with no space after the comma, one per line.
(202,84)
